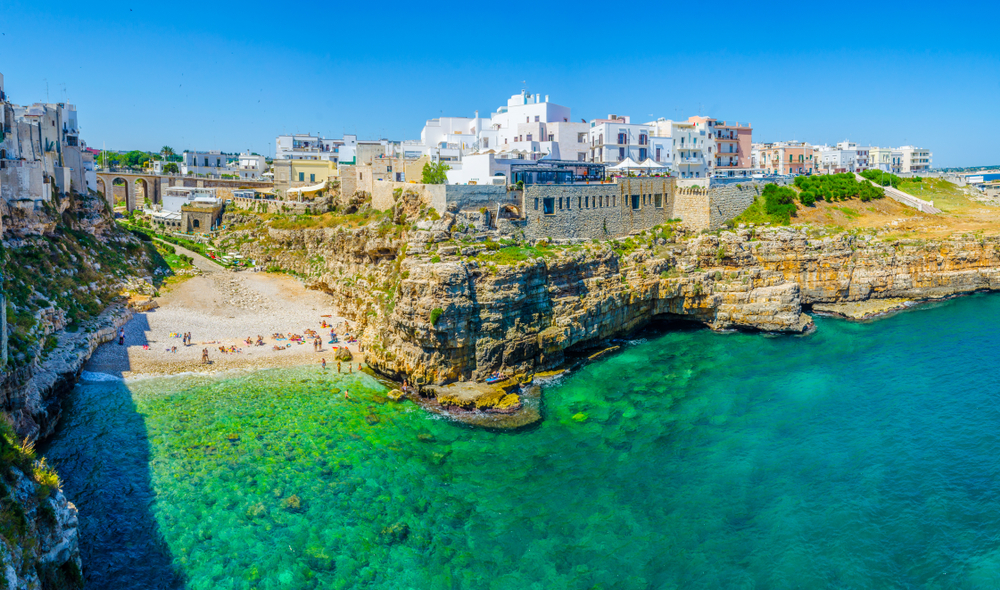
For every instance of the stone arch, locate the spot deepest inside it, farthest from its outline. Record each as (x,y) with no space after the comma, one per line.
(140,190)
(128,196)
(102,187)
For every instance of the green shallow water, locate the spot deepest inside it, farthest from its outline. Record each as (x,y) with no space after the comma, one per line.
(861,456)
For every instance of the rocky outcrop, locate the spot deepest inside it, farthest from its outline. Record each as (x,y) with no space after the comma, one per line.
(435,310)
(33,394)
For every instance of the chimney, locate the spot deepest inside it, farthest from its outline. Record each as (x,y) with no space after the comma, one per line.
(546,98)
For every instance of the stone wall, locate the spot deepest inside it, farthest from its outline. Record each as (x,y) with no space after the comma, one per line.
(321,204)
(443,197)
(597,211)
(726,202)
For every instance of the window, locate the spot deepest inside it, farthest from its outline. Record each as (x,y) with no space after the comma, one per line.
(529,137)
(551,137)
(586,202)
(302,176)
(579,200)
(196,223)
(642,154)
(635,202)
(582,156)
(621,154)
(312,178)
(581,138)
(643,139)
(614,201)
(548,206)
(206,161)
(658,200)
(560,203)
(622,138)
(536,118)
(486,142)
(657,154)
(536,203)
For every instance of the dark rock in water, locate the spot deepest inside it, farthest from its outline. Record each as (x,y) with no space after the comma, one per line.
(396,533)
(371,419)
(426,437)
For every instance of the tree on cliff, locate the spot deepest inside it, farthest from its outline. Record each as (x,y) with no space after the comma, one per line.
(166,151)
(435,173)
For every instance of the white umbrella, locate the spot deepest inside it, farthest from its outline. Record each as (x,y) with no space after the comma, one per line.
(627,164)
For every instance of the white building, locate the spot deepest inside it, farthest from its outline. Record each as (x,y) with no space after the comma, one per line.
(846,156)
(915,160)
(307,147)
(690,155)
(616,138)
(40,149)
(213,163)
(529,126)
(175,197)
(251,166)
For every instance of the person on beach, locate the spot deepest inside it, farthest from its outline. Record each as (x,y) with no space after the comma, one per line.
(121,337)
(324,364)
(338,366)
(347,396)
(350,368)
(204,356)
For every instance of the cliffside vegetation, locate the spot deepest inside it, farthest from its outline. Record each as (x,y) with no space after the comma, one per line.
(68,268)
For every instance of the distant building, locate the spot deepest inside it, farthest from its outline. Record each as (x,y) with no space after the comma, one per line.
(175,197)
(40,150)
(915,160)
(785,157)
(251,166)
(213,163)
(614,139)
(733,143)
(690,148)
(886,159)
(846,156)
(307,147)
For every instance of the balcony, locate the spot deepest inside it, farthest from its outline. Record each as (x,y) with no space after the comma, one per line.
(721,138)
(690,161)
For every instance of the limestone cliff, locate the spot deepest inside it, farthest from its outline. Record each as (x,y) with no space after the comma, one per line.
(440,301)
(63,266)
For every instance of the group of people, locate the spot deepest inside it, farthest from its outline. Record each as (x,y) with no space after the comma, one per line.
(250,342)
(350,366)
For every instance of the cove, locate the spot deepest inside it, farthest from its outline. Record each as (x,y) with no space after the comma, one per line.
(864,455)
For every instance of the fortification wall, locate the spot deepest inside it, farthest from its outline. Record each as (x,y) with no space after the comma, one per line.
(597,211)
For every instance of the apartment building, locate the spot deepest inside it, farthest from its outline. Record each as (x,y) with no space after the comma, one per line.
(251,166)
(846,156)
(688,154)
(306,147)
(886,159)
(915,160)
(616,138)
(733,143)
(782,158)
(40,148)
(211,163)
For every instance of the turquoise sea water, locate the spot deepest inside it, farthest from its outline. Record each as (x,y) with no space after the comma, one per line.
(861,456)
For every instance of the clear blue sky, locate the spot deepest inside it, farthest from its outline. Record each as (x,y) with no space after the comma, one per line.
(231,76)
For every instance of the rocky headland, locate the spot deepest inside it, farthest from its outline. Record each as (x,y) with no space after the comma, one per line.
(445,300)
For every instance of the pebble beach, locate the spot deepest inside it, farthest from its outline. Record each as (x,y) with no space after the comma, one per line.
(220,308)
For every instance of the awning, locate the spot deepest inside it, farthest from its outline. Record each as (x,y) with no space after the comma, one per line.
(308,189)
(649,164)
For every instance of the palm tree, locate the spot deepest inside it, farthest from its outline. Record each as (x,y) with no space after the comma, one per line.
(166,151)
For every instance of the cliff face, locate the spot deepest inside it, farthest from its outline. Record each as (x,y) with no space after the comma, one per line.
(436,304)
(60,265)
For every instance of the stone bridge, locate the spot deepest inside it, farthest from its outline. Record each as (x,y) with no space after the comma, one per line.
(134,187)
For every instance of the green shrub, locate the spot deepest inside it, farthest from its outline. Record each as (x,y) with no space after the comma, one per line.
(435,315)
(808,199)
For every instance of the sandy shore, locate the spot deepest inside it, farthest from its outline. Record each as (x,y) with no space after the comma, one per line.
(223,308)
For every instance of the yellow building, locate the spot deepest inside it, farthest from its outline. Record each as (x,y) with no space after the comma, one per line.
(312,171)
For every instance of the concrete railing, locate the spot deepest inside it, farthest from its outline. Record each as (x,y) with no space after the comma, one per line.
(906,198)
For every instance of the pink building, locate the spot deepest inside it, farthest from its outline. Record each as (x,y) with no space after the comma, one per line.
(733,143)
